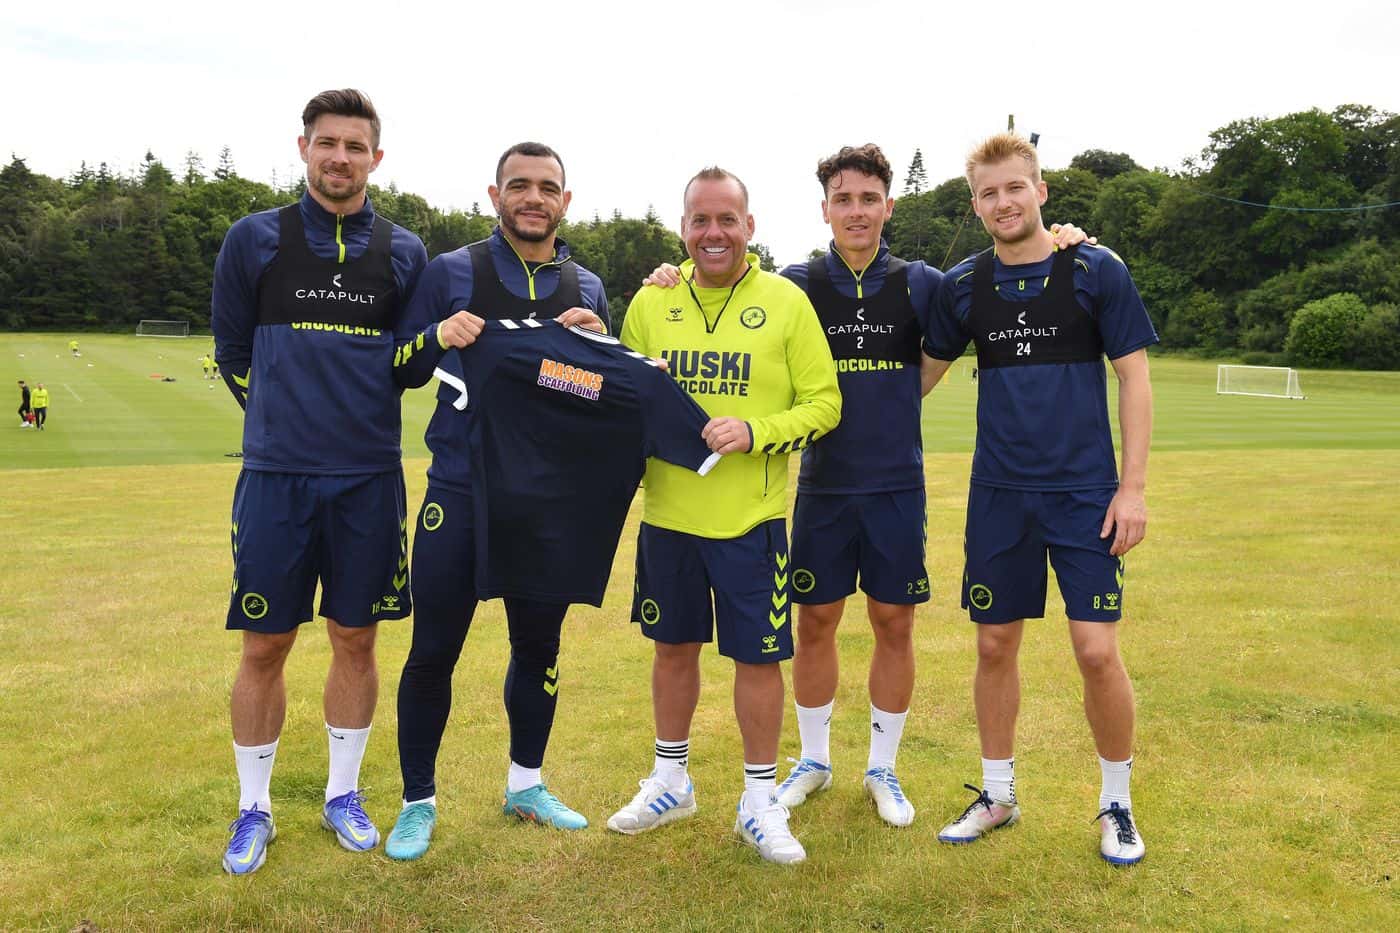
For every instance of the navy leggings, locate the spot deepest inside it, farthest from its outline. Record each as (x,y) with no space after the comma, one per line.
(444,601)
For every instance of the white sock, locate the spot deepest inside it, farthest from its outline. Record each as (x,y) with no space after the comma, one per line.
(814,726)
(886,729)
(255,775)
(520,778)
(760,785)
(347,751)
(430,801)
(671,762)
(1116,775)
(999,779)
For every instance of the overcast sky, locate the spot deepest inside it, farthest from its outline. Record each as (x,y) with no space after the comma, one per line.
(637,96)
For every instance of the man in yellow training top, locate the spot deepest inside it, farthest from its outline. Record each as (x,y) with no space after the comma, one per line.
(714,558)
(39,401)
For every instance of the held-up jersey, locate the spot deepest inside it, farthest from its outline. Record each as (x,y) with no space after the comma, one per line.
(303,311)
(560,423)
(491,281)
(1041,331)
(874,323)
(755,352)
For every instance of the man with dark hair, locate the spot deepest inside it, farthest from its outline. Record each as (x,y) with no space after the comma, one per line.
(529,149)
(522,271)
(24,409)
(713,560)
(860,512)
(305,301)
(346,102)
(1044,482)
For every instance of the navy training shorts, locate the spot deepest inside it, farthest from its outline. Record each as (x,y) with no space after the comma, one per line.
(879,536)
(1009,534)
(689,588)
(444,560)
(292,529)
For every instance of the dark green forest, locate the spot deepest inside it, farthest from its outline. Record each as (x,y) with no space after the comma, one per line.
(1279,241)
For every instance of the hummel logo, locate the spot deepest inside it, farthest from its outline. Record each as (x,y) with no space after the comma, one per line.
(335,279)
(876,727)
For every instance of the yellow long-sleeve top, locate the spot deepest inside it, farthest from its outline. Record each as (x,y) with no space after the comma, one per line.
(755,352)
(39,398)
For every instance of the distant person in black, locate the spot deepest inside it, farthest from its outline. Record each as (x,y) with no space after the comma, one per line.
(23,404)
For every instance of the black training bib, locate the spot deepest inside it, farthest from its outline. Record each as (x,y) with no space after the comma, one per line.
(491,299)
(882,326)
(1050,328)
(300,286)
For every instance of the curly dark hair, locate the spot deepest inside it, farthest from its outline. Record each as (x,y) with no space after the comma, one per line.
(867,159)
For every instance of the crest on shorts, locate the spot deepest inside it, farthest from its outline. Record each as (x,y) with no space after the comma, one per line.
(651,612)
(254,606)
(803,580)
(432,517)
(980,597)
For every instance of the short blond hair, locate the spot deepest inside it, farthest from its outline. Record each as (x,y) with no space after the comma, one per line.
(999,148)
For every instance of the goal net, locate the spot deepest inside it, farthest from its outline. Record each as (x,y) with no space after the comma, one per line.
(1270,381)
(163,329)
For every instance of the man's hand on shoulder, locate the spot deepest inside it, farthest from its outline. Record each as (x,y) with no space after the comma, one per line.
(459,330)
(664,276)
(1068,235)
(1126,520)
(728,435)
(582,317)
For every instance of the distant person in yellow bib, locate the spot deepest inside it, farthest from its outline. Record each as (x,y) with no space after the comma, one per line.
(73,348)
(39,400)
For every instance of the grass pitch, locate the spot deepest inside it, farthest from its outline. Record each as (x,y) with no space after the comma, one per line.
(1261,637)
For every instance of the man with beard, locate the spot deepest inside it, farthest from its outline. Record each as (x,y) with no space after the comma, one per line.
(304,306)
(1044,481)
(522,271)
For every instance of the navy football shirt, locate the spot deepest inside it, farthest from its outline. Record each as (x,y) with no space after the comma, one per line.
(562,422)
(1043,426)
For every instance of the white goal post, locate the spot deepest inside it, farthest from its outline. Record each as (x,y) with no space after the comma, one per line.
(1267,381)
(163,329)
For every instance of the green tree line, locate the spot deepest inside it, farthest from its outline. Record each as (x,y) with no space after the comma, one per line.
(1219,275)
(99,251)
(1274,216)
